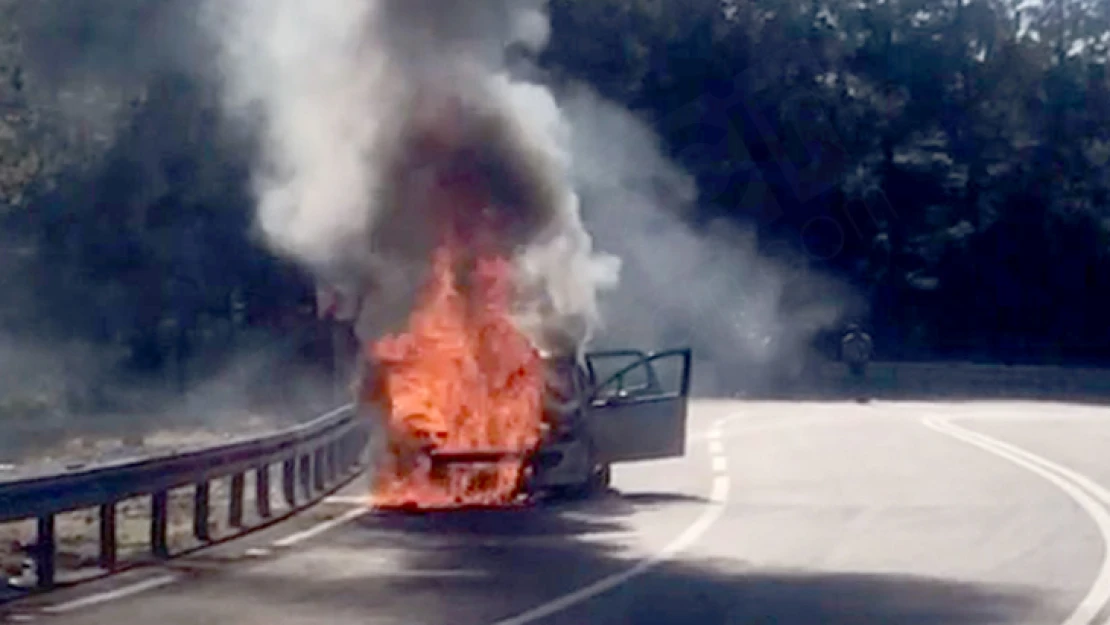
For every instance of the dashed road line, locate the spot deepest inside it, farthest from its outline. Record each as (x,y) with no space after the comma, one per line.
(112,595)
(720,465)
(718,497)
(320,528)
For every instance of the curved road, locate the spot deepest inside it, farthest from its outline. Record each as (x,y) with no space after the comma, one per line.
(783,513)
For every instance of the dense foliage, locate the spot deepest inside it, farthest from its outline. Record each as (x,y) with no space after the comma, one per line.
(949,156)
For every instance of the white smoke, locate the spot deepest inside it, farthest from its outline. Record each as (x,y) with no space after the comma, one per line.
(345,90)
(749,316)
(298,70)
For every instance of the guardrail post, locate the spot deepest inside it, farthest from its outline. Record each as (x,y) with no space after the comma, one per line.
(350,451)
(201,511)
(306,475)
(331,455)
(262,490)
(289,481)
(235,506)
(45,549)
(341,446)
(360,449)
(318,469)
(107,558)
(159,520)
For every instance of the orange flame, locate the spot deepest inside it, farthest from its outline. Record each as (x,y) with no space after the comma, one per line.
(462,377)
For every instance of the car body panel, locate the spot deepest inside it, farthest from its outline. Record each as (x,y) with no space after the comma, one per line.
(639,411)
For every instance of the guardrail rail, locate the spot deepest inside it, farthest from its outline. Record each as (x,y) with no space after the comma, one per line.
(316,459)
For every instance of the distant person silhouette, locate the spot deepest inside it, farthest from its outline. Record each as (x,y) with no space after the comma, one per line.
(856,350)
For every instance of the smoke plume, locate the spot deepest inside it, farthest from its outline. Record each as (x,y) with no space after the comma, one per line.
(353,99)
(749,315)
(349,97)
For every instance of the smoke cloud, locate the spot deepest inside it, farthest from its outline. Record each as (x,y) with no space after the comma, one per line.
(749,316)
(354,99)
(348,95)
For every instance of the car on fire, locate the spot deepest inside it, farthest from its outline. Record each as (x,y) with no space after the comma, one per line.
(601,408)
(605,408)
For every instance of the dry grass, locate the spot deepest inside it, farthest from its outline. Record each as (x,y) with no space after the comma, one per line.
(59,449)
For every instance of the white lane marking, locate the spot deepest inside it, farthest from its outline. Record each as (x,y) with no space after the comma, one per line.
(1073,484)
(112,595)
(682,542)
(164,580)
(716,447)
(1092,487)
(320,528)
(718,497)
(719,492)
(720,465)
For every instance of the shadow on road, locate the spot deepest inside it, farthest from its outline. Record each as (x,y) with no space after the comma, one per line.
(648,499)
(482,566)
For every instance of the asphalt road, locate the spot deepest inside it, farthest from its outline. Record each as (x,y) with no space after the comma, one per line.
(783,513)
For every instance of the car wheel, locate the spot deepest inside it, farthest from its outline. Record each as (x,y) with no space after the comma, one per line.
(601,479)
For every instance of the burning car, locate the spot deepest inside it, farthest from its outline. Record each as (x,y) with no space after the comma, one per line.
(477,219)
(594,411)
(606,408)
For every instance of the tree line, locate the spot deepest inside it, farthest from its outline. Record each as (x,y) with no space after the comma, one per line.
(949,157)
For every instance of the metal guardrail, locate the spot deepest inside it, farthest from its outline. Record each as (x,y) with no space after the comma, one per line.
(316,459)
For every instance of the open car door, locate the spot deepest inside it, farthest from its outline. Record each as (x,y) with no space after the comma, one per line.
(637,406)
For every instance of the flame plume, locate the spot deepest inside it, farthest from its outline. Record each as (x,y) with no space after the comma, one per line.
(462,377)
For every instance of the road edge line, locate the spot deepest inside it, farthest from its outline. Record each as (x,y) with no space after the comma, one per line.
(714,510)
(111,595)
(320,528)
(1068,481)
